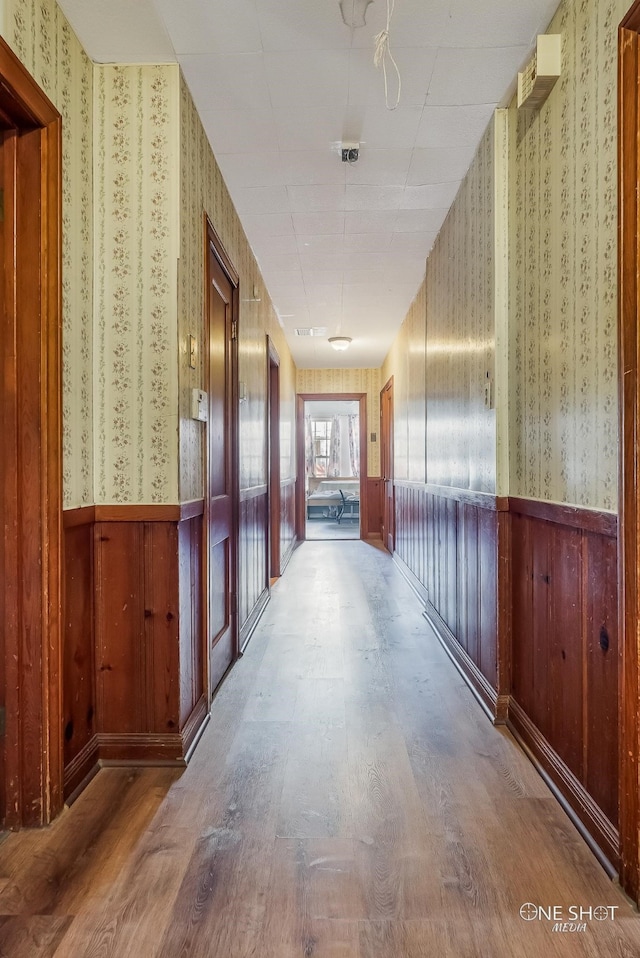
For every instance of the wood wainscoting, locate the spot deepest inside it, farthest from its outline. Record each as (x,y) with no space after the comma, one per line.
(449,543)
(253,579)
(372,518)
(288,540)
(565,655)
(523,596)
(134,666)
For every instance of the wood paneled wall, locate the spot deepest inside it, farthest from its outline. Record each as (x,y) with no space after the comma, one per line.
(133,656)
(523,595)
(565,654)
(287,521)
(253,581)
(448,541)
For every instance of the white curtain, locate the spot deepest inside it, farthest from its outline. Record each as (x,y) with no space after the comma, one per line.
(354,445)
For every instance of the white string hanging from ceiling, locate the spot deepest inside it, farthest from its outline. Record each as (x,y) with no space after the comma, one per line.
(383,54)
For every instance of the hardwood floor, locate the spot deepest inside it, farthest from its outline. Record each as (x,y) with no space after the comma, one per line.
(349,799)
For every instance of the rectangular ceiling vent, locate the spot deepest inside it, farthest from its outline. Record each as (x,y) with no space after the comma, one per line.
(538,78)
(312,331)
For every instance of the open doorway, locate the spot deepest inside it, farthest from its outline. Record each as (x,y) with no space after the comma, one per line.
(332,468)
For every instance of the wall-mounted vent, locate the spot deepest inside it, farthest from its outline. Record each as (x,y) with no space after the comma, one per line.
(311,331)
(538,78)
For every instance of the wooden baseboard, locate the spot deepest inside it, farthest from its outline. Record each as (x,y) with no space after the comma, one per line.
(194,727)
(596,829)
(247,629)
(284,559)
(141,748)
(80,770)
(412,579)
(478,683)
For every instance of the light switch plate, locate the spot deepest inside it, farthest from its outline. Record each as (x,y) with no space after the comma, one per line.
(199,405)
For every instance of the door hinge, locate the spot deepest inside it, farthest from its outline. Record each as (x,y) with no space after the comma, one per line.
(2,721)
(234,329)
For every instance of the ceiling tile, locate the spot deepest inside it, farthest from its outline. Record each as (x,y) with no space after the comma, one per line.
(370,221)
(236,81)
(322,277)
(267,224)
(320,243)
(301,130)
(384,129)
(443,126)
(475,25)
(379,167)
(426,221)
(265,245)
(307,199)
(366,81)
(314,168)
(373,197)
(240,131)
(367,242)
(331,222)
(414,23)
(289,278)
(437,197)
(120,31)
(278,262)
(322,261)
(260,199)
(324,296)
(241,170)
(466,76)
(439,166)
(302,26)
(357,277)
(413,241)
(303,78)
(226,26)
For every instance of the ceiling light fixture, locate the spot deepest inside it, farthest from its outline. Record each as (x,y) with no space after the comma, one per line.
(340,342)
(354,12)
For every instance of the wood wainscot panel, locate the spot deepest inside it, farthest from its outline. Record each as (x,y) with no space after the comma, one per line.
(288,538)
(253,584)
(448,543)
(78,682)
(564,695)
(134,676)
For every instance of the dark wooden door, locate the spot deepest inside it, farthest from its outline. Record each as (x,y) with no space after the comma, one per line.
(386,456)
(221,477)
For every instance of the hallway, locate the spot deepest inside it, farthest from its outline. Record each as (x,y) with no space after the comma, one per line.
(349,799)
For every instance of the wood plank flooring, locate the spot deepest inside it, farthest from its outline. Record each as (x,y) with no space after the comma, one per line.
(349,799)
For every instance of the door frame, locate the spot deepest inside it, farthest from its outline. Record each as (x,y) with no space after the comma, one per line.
(273,453)
(31,480)
(213,241)
(629,412)
(301,398)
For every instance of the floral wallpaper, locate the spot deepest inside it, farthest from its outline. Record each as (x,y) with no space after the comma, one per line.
(350,381)
(460,347)
(136,197)
(445,351)
(563,263)
(202,189)
(41,37)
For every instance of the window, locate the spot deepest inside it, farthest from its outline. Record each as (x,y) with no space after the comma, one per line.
(321,445)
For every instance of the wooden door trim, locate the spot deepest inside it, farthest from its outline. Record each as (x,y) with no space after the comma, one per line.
(33,615)
(301,398)
(629,406)
(213,242)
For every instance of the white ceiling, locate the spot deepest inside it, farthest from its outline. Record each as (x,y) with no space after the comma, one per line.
(279,84)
